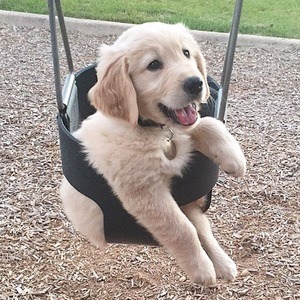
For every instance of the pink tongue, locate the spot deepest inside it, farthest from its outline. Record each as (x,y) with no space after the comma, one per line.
(186,115)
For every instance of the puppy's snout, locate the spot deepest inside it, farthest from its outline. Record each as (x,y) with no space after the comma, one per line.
(193,85)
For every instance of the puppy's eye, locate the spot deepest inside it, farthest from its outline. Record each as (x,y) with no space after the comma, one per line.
(186,53)
(155,65)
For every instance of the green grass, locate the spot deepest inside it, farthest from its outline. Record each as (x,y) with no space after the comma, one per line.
(280,18)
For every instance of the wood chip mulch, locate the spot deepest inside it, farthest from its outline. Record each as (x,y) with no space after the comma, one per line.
(256,219)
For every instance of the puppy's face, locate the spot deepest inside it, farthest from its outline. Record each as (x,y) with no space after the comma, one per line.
(155,71)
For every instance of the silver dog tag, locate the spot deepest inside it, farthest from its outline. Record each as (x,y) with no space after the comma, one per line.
(169,150)
(169,147)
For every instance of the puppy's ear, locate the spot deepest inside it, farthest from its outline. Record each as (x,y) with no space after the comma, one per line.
(201,65)
(114,94)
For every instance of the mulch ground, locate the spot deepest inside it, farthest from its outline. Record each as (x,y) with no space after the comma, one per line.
(255,219)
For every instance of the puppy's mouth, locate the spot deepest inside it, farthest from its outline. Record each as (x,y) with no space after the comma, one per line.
(185,116)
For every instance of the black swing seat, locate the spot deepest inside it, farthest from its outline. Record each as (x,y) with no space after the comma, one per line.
(119,225)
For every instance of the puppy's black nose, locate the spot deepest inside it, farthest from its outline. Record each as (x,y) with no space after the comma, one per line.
(193,85)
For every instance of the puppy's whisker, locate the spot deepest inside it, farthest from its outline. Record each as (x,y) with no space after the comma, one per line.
(208,108)
(213,91)
(214,95)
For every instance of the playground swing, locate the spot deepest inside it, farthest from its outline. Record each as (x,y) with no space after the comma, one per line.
(73,107)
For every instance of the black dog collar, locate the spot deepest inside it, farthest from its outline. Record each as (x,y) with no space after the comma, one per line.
(149,123)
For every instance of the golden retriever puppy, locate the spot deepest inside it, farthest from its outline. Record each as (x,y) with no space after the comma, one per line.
(154,72)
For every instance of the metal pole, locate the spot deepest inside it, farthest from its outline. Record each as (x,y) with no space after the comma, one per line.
(227,69)
(55,56)
(64,35)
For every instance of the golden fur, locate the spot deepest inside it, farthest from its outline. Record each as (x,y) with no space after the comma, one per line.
(130,156)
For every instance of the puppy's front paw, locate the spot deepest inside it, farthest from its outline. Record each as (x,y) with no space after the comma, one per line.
(204,272)
(226,269)
(213,139)
(233,161)
(229,156)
